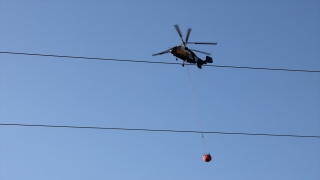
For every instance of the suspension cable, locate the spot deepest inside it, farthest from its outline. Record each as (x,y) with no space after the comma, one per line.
(204,144)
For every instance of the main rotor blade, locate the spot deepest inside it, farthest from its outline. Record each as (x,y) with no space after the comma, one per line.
(163,52)
(200,52)
(208,43)
(179,32)
(188,34)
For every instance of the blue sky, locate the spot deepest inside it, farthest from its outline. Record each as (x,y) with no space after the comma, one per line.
(61,91)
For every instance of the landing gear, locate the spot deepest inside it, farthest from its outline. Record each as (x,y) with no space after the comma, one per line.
(176,59)
(182,64)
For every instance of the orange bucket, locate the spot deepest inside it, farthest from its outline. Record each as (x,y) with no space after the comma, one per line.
(207,158)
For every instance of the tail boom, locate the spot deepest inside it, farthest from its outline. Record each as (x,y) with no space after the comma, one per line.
(202,62)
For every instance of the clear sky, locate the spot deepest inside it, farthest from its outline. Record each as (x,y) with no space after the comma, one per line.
(79,92)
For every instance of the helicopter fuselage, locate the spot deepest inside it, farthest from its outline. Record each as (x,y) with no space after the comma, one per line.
(184,54)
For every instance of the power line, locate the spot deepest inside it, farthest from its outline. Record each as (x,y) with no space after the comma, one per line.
(157,62)
(158,130)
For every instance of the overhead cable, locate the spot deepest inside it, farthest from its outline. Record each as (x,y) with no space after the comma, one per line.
(158,130)
(158,62)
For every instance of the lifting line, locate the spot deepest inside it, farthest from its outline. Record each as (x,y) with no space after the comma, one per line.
(205,148)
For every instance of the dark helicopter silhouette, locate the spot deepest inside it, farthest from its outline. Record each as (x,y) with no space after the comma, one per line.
(181,51)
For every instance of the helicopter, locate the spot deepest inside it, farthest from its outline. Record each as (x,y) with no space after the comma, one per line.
(182,52)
